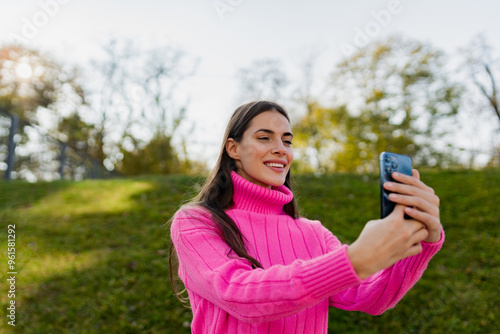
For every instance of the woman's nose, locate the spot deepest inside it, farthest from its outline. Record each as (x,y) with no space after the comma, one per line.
(279,151)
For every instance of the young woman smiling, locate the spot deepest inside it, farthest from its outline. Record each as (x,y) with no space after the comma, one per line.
(250,264)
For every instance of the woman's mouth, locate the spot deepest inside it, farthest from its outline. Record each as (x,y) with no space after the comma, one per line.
(274,164)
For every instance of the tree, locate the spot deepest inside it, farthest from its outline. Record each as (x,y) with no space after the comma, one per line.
(79,138)
(109,109)
(306,86)
(156,157)
(33,85)
(262,80)
(483,70)
(391,95)
(31,81)
(140,104)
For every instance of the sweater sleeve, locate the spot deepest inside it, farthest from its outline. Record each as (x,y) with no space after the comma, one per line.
(208,268)
(386,288)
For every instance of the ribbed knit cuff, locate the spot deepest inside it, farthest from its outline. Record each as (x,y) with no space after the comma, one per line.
(329,274)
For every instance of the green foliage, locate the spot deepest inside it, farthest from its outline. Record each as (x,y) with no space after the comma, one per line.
(32,83)
(157,157)
(29,80)
(137,98)
(347,143)
(391,95)
(141,108)
(91,256)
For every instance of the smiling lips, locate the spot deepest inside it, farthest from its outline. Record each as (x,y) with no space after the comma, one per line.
(274,165)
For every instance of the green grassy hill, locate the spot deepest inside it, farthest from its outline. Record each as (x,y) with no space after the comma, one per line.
(92,256)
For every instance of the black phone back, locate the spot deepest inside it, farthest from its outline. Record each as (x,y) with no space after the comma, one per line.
(389,163)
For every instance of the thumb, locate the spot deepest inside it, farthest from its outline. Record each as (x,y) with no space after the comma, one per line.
(398,211)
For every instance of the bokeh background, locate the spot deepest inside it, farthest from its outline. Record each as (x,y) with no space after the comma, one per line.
(111,114)
(114,80)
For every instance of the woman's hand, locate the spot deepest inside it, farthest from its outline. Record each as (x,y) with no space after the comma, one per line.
(383,242)
(421,202)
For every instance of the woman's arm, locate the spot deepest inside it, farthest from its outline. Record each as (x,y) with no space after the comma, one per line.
(394,243)
(383,242)
(210,270)
(385,289)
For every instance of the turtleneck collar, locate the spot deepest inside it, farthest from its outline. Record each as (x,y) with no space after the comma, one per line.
(252,197)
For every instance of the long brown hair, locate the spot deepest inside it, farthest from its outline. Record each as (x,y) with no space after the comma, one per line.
(217,193)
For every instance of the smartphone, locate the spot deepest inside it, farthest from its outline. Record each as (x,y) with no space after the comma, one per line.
(389,163)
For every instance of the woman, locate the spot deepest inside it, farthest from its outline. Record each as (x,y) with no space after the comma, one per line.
(250,264)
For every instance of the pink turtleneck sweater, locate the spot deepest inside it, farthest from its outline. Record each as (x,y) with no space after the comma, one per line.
(306,269)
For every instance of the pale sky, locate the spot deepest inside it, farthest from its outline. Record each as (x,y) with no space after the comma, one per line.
(229,34)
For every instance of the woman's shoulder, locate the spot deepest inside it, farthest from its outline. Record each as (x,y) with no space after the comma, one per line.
(324,235)
(317,226)
(193,210)
(192,217)
(311,222)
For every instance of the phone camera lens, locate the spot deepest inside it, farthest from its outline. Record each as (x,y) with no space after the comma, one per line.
(387,158)
(394,164)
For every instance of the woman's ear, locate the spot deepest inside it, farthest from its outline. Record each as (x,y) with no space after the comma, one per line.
(232,149)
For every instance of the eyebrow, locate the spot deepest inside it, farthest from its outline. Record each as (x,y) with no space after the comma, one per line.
(272,132)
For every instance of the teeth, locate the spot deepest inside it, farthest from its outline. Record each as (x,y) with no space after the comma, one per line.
(273,164)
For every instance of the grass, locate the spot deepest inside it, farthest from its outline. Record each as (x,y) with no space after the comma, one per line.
(92,256)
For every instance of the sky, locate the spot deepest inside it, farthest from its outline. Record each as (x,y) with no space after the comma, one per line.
(227,35)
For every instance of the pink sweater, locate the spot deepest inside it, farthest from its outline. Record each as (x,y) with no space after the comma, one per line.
(306,269)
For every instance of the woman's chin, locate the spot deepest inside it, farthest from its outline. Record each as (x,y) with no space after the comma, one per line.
(274,182)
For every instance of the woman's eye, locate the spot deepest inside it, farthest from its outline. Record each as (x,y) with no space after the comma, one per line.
(264,138)
(288,142)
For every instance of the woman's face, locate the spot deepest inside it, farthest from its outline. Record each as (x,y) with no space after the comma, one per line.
(264,154)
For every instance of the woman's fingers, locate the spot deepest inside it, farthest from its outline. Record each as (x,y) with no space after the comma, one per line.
(430,221)
(419,235)
(425,204)
(397,212)
(413,192)
(382,242)
(414,250)
(414,229)
(421,202)
(420,232)
(419,208)
(406,180)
